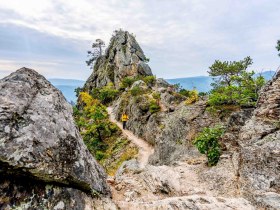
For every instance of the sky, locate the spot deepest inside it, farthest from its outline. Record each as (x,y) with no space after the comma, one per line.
(182,38)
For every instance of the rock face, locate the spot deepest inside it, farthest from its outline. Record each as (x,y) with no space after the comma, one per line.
(180,186)
(123,57)
(260,149)
(170,132)
(39,144)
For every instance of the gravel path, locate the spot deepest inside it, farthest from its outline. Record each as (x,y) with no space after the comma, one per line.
(145,149)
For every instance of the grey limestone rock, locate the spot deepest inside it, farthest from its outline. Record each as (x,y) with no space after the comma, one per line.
(260,149)
(39,140)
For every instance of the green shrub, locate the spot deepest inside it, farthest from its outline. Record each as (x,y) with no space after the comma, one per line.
(154,107)
(94,122)
(127,82)
(136,90)
(149,80)
(99,155)
(192,98)
(202,93)
(184,92)
(105,94)
(108,94)
(207,142)
(156,95)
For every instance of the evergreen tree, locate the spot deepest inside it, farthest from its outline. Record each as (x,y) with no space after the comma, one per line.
(97,51)
(278,46)
(234,85)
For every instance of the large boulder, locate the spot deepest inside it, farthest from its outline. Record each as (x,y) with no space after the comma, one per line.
(123,57)
(40,145)
(260,149)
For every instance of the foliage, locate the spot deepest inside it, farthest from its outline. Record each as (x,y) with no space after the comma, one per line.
(102,137)
(97,47)
(156,95)
(278,46)
(207,142)
(136,90)
(94,122)
(177,87)
(202,94)
(149,80)
(234,85)
(192,97)
(108,94)
(105,94)
(224,71)
(154,106)
(184,92)
(127,82)
(77,91)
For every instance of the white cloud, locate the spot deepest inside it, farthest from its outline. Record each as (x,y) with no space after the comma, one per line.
(182,37)
(47,69)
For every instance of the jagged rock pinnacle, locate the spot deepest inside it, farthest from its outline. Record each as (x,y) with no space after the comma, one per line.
(123,57)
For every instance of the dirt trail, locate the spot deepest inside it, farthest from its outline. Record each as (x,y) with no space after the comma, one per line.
(145,150)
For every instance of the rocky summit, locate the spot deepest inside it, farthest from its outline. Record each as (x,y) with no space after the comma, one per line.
(123,57)
(44,163)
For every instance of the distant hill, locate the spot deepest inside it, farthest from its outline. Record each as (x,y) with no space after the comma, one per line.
(68,82)
(67,87)
(267,74)
(203,83)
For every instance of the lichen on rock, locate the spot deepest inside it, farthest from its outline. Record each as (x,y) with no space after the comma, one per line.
(39,141)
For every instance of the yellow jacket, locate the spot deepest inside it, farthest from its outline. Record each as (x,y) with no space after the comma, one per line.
(124,118)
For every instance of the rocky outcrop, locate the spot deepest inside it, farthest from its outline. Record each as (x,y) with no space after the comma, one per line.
(177,177)
(260,149)
(123,57)
(43,160)
(180,186)
(170,131)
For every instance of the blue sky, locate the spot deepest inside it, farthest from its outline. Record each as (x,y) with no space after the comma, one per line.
(182,38)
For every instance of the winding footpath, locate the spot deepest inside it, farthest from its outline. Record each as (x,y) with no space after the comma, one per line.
(145,149)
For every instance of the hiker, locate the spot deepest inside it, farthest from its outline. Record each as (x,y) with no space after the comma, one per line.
(124,119)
